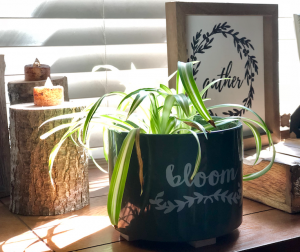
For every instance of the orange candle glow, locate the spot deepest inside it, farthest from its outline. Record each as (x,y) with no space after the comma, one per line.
(48,95)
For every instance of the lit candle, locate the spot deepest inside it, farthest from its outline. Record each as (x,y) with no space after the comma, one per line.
(36,71)
(48,95)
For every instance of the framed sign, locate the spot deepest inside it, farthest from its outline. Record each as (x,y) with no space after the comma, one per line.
(236,41)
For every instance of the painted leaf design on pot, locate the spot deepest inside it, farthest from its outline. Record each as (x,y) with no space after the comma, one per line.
(160,194)
(180,204)
(161,207)
(152,201)
(223,198)
(199,197)
(216,194)
(190,200)
(233,197)
(229,197)
(170,208)
(208,197)
(156,201)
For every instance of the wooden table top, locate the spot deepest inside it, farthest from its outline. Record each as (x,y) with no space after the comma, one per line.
(89,230)
(263,229)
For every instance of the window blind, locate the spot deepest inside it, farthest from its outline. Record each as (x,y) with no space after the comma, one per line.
(73,36)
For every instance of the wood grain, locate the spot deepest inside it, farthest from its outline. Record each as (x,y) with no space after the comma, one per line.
(261,229)
(279,187)
(31,188)
(4,137)
(98,180)
(252,207)
(16,236)
(89,226)
(262,226)
(45,227)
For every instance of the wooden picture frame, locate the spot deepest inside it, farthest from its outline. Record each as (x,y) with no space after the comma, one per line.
(176,13)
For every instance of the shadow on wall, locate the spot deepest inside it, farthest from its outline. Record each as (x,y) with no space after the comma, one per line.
(69,9)
(94,9)
(78,63)
(88,36)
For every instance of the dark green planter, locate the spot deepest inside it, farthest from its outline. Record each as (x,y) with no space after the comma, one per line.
(180,210)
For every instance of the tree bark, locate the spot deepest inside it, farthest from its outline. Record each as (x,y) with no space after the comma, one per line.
(21,91)
(4,139)
(31,189)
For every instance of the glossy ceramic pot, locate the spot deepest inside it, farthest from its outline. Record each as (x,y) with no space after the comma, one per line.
(173,208)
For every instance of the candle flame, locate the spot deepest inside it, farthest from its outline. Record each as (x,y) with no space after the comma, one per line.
(48,83)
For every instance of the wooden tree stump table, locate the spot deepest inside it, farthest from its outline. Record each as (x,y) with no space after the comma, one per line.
(31,189)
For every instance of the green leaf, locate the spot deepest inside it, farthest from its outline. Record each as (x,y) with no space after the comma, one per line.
(186,75)
(183,102)
(52,131)
(263,125)
(194,124)
(167,109)
(91,114)
(119,176)
(170,125)
(140,160)
(56,148)
(198,158)
(239,106)
(268,167)
(117,127)
(179,86)
(202,92)
(118,121)
(73,140)
(171,76)
(96,164)
(136,92)
(218,122)
(105,143)
(257,139)
(166,89)
(136,102)
(154,114)
(61,117)
(255,175)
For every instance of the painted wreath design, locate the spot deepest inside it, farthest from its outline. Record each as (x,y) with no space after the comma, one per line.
(169,206)
(242,45)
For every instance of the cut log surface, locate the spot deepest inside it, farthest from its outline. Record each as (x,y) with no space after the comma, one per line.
(280,186)
(21,91)
(31,189)
(4,139)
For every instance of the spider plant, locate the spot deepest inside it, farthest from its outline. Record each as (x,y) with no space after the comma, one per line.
(169,111)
